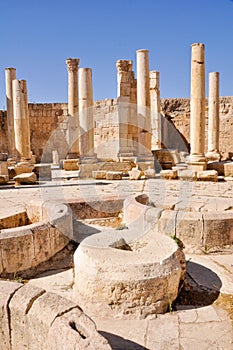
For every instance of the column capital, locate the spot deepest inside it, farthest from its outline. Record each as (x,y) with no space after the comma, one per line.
(124,65)
(72,64)
(10,69)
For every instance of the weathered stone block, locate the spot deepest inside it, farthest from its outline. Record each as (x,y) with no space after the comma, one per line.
(135,174)
(99,174)
(207,175)
(7,289)
(188,175)
(169,174)
(43,171)
(113,175)
(70,164)
(25,179)
(228,169)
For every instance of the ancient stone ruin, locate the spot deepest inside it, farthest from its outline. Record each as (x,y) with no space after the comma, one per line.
(118,190)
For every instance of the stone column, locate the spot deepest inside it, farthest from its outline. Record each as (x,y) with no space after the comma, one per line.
(156,136)
(22,132)
(213,153)
(143,102)
(125,79)
(10,75)
(86,119)
(197,107)
(73,126)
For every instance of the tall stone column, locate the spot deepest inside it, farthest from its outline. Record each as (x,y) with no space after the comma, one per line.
(73,126)
(143,102)
(10,75)
(125,79)
(156,136)
(213,153)
(86,119)
(22,132)
(197,106)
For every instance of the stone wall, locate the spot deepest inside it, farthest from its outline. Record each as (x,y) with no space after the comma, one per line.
(177,111)
(45,119)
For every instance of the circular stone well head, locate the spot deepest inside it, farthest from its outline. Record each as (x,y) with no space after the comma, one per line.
(119,276)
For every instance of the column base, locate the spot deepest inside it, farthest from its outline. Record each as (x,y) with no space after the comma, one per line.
(88,159)
(197,166)
(72,155)
(213,156)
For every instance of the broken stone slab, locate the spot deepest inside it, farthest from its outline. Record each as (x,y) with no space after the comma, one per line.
(207,175)
(99,174)
(113,175)
(135,174)
(7,290)
(169,174)
(19,307)
(23,167)
(75,330)
(25,179)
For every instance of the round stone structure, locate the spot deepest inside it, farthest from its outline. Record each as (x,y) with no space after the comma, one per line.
(32,236)
(119,275)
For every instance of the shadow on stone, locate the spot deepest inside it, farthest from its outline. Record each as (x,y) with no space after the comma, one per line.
(201,288)
(118,343)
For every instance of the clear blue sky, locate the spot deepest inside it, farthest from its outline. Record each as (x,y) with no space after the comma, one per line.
(38,35)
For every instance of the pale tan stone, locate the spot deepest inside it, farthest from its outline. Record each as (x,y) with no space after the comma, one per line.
(207,175)
(25,179)
(70,164)
(188,175)
(23,167)
(197,104)
(135,174)
(10,75)
(73,107)
(228,169)
(86,120)
(156,138)
(21,122)
(113,175)
(99,174)
(213,153)
(43,171)
(168,174)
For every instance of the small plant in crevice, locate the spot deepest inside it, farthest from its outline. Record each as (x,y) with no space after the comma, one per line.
(122,227)
(178,241)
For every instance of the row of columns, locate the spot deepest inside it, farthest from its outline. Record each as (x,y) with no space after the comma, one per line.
(80,136)
(17,117)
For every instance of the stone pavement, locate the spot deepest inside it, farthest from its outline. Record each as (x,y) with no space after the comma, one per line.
(188,327)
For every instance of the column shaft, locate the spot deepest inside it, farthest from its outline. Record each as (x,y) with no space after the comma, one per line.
(213,117)
(86,119)
(10,75)
(197,104)
(155,111)
(22,133)
(73,126)
(143,102)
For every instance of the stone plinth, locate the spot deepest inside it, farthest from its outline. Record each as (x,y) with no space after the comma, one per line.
(188,175)
(207,175)
(4,174)
(119,275)
(70,164)
(23,167)
(228,169)
(99,174)
(113,175)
